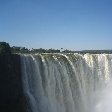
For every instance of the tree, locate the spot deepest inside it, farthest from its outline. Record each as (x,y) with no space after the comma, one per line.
(5,48)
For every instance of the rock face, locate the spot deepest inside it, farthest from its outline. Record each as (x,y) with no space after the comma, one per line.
(11,92)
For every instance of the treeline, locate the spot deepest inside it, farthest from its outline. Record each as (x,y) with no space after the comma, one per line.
(15,49)
(94,51)
(6,49)
(41,50)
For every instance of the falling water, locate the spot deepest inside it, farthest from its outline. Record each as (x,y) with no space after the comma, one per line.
(68,82)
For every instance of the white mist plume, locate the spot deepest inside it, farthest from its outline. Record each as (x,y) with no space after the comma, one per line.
(104,103)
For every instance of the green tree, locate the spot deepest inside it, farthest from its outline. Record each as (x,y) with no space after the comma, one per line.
(5,48)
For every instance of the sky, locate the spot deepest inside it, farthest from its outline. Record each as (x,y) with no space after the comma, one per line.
(67,24)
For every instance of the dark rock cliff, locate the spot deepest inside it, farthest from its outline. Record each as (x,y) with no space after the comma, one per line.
(11,92)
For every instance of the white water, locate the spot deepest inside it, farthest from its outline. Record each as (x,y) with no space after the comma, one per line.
(68,83)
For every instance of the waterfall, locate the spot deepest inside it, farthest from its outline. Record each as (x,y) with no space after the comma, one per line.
(67,82)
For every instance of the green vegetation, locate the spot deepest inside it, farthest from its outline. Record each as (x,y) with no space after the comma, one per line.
(94,51)
(15,49)
(6,49)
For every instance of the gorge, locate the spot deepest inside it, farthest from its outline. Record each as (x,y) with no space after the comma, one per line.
(56,82)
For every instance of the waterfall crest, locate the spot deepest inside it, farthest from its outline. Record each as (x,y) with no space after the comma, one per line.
(65,82)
